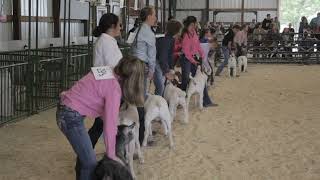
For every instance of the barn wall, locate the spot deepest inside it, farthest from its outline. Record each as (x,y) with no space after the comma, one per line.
(227,4)
(6,28)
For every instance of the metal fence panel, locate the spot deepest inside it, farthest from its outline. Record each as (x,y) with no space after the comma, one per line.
(31,83)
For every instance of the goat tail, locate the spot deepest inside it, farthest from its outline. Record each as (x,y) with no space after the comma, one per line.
(166,119)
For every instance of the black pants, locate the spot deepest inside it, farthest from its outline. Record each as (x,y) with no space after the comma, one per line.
(141,121)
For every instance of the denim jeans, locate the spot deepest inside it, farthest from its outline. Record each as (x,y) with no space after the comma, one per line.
(158,80)
(188,68)
(226,54)
(95,133)
(72,126)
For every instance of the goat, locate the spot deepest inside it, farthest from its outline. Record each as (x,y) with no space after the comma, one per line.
(129,115)
(176,97)
(242,63)
(232,65)
(108,169)
(197,85)
(157,107)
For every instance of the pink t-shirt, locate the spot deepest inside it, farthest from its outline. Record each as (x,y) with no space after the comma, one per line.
(97,98)
(191,46)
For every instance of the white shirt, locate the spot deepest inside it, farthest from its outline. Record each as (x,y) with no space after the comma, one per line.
(106,51)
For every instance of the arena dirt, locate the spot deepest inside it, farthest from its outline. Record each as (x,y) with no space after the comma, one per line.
(265,128)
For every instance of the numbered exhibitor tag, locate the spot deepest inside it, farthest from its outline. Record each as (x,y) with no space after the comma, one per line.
(103,72)
(131,38)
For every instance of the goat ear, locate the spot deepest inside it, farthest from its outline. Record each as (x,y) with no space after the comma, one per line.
(132,125)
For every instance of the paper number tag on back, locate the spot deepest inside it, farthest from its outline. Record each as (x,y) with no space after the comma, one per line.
(131,38)
(103,72)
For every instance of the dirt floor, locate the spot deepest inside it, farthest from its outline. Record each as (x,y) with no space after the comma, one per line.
(267,127)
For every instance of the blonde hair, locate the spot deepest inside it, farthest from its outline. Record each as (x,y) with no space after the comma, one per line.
(131,73)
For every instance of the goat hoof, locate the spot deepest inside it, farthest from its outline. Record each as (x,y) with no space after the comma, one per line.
(141,161)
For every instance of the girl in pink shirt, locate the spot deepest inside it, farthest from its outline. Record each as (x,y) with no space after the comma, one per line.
(191,48)
(93,98)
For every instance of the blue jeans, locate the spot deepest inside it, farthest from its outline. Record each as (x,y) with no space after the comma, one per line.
(226,54)
(72,126)
(159,80)
(188,68)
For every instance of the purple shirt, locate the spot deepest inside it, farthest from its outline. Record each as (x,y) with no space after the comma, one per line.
(97,98)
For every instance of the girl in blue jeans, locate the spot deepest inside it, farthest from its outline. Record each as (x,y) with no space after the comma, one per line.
(190,48)
(98,98)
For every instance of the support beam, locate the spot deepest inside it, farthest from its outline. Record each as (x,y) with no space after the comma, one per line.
(147,3)
(230,9)
(170,8)
(124,18)
(156,6)
(242,12)
(164,15)
(56,18)
(85,27)
(206,13)
(16,19)
(278,9)
(174,8)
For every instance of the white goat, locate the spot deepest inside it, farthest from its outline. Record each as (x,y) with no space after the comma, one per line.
(176,97)
(196,86)
(232,65)
(242,63)
(127,116)
(156,107)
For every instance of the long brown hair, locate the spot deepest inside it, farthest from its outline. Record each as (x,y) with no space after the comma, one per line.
(131,73)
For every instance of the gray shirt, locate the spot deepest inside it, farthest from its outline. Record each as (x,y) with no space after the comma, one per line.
(145,46)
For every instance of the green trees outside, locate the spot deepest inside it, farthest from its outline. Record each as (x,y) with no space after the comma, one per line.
(291,11)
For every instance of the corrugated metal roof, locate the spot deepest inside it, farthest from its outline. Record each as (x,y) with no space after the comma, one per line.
(225,4)
(261,4)
(181,15)
(44,8)
(45,30)
(234,17)
(187,4)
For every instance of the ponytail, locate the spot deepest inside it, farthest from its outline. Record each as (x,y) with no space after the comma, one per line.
(106,22)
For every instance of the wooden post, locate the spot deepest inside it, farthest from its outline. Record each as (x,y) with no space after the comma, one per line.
(56,18)
(242,12)
(16,19)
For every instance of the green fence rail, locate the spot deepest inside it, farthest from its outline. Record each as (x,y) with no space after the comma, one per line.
(31,81)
